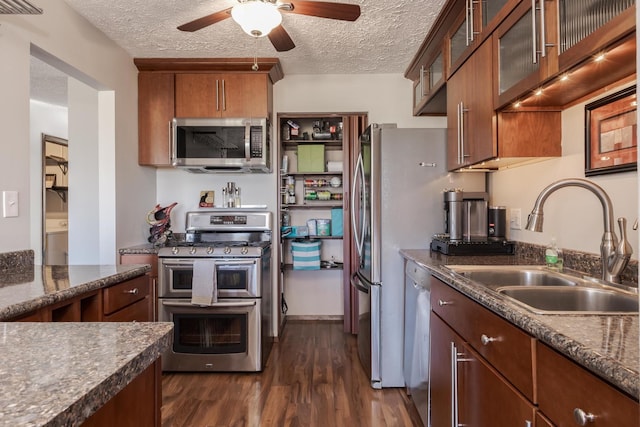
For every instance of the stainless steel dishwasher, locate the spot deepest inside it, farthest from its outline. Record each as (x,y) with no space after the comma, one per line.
(416,336)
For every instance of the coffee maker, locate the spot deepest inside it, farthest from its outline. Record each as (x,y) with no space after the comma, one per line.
(465,216)
(471,227)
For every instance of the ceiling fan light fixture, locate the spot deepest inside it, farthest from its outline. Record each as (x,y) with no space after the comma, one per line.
(256,17)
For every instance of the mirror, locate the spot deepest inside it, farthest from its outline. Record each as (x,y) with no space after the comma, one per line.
(55,192)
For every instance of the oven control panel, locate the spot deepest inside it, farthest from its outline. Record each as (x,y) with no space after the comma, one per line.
(228,219)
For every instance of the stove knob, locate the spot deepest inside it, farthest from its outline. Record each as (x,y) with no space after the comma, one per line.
(244,250)
(209,250)
(175,250)
(192,250)
(227,250)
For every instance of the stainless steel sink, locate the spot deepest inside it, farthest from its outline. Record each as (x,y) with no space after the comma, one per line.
(573,300)
(494,276)
(544,291)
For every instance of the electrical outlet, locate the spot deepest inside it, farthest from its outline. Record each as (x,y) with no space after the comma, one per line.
(9,204)
(515,219)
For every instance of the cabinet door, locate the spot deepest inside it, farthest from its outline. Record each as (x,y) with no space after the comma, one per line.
(469,112)
(198,95)
(465,390)
(586,26)
(245,95)
(155,112)
(222,95)
(440,379)
(564,387)
(525,53)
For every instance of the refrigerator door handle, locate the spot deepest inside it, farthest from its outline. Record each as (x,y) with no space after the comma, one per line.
(358,233)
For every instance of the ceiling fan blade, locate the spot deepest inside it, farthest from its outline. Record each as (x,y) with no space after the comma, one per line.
(323,9)
(280,39)
(206,20)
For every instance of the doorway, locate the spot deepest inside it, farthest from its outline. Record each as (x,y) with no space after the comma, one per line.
(55,193)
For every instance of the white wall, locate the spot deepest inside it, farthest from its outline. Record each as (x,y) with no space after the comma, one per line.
(82,51)
(572,215)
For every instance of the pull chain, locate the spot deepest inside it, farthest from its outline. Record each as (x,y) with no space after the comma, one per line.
(255,67)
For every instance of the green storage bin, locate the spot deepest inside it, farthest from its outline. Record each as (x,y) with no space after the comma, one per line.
(310,158)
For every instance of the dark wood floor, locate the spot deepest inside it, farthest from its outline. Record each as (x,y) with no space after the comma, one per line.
(313,378)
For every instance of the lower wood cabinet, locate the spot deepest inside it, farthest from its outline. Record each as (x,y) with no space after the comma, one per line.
(152,260)
(485,371)
(567,392)
(134,406)
(123,296)
(466,390)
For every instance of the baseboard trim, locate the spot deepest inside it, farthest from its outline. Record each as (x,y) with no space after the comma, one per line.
(338,318)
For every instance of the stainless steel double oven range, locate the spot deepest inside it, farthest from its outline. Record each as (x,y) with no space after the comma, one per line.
(226,253)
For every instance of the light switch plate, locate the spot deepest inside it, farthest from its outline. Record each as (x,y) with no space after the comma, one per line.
(515,219)
(9,204)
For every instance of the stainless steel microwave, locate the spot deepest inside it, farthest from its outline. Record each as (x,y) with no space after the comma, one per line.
(209,145)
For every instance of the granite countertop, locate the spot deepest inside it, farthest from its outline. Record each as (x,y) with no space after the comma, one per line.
(607,345)
(26,289)
(145,248)
(61,373)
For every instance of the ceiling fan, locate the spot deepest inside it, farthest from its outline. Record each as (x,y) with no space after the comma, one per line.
(260,18)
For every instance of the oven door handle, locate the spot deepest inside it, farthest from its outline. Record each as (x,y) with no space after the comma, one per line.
(216,305)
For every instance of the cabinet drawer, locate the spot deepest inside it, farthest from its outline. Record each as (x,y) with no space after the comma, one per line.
(565,386)
(137,312)
(125,293)
(503,345)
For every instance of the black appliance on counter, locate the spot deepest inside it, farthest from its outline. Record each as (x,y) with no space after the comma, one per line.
(443,244)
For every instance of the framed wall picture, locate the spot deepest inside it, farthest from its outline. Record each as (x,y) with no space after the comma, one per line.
(611,143)
(206,199)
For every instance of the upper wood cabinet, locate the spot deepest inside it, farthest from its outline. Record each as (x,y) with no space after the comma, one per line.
(469,124)
(478,137)
(206,87)
(535,45)
(223,95)
(155,112)
(545,40)
(460,28)
(474,24)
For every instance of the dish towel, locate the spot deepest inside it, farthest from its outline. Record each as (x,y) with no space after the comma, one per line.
(203,286)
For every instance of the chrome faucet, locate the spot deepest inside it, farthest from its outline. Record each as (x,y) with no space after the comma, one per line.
(615,255)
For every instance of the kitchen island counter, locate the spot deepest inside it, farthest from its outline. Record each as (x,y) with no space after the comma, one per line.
(606,345)
(28,288)
(61,373)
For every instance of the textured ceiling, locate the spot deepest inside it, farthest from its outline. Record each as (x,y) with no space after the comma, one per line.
(383,40)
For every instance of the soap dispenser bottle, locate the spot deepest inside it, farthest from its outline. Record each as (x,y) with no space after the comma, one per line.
(553,256)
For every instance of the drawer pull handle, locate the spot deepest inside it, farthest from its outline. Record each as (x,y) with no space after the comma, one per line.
(582,418)
(443,303)
(485,340)
(133,291)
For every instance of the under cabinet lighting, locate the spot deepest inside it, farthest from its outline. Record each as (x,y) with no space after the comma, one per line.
(517,104)
(538,92)
(600,57)
(564,77)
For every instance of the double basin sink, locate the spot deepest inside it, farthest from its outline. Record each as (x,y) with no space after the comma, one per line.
(545,291)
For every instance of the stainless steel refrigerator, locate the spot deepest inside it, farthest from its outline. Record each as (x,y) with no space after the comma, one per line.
(397,203)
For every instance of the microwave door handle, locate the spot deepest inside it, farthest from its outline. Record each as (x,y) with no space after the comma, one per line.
(233,304)
(247,141)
